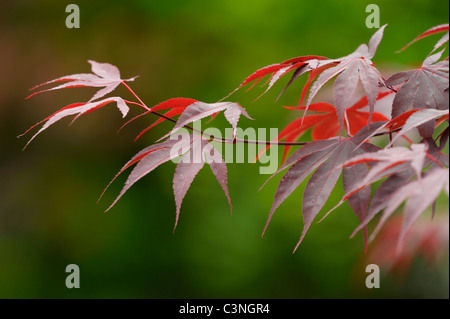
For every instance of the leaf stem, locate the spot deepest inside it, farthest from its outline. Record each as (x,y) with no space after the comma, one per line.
(136,96)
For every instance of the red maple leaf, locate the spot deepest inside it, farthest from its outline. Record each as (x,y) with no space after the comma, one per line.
(325,124)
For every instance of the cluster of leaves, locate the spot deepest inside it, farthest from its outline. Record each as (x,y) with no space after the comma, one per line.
(342,133)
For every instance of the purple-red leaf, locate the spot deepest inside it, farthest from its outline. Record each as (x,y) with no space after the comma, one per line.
(426,189)
(400,175)
(325,125)
(176,106)
(105,75)
(359,201)
(219,169)
(320,185)
(385,160)
(138,157)
(327,156)
(185,173)
(433,30)
(307,149)
(276,71)
(422,195)
(79,109)
(417,119)
(344,88)
(349,70)
(200,110)
(422,88)
(147,160)
(176,103)
(384,191)
(295,176)
(196,151)
(191,164)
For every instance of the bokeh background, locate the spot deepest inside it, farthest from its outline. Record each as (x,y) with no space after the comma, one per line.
(199,49)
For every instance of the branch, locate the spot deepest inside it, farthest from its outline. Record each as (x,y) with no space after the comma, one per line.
(224,139)
(209,137)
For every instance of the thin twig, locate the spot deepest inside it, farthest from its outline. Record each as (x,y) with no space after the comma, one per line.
(210,137)
(223,139)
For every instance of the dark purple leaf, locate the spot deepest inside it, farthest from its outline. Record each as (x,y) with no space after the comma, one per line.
(384,191)
(417,119)
(422,195)
(359,201)
(350,69)
(296,175)
(305,150)
(191,164)
(219,169)
(185,173)
(387,159)
(162,153)
(422,88)
(320,185)
(327,157)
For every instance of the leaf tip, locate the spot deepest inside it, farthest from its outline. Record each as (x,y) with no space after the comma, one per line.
(175,226)
(265,228)
(298,244)
(32,94)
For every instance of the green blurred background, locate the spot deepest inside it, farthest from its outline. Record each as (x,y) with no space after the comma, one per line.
(199,49)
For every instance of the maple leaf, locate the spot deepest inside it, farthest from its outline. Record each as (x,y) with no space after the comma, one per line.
(431,31)
(326,158)
(400,165)
(419,119)
(421,194)
(357,65)
(387,160)
(202,151)
(413,119)
(103,75)
(422,88)
(199,110)
(312,75)
(359,202)
(150,158)
(415,175)
(194,150)
(78,109)
(325,125)
(176,106)
(300,64)
(397,176)
(349,71)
